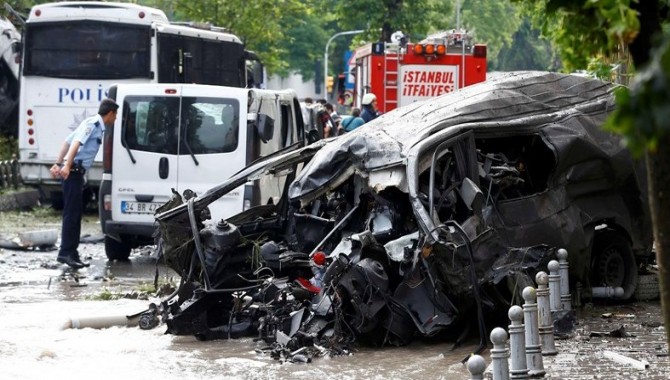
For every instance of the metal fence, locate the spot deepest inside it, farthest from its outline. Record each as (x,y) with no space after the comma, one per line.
(10,177)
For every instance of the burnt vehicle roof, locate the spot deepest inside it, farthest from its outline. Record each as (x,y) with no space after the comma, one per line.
(566,110)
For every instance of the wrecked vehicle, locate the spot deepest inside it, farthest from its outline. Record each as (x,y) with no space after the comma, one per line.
(428,216)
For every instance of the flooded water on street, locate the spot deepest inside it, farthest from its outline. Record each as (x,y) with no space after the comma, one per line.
(34,344)
(36,302)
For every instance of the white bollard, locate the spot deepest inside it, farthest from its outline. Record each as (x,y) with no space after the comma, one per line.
(554,286)
(546,324)
(533,347)
(499,354)
(566,297)
(476,367)
(517,343)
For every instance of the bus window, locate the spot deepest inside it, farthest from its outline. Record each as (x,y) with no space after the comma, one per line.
(87,50)
(184,59)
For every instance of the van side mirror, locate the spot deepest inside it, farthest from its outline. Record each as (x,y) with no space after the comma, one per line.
(257,73)
(265,126)
(254,70)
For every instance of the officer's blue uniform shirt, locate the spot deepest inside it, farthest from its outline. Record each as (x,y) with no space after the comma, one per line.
(89,134)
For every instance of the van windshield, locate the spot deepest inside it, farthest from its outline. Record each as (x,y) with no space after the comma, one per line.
(181,126)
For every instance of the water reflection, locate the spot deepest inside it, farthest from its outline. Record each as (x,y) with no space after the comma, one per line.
(34,344)
(36,301)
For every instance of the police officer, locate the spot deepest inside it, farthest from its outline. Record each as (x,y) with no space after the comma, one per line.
(75,157)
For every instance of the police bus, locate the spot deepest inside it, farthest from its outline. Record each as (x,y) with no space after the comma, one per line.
(72,52)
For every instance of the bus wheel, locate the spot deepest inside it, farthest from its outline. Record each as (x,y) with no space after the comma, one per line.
(89,201)
(613,263)
(116,250)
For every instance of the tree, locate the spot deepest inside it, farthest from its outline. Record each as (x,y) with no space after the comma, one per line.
(263,25)
(484,18)
(528,51)
(586,29)
(303,46)
(381,18)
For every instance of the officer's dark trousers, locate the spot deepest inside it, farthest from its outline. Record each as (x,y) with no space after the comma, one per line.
(73,188)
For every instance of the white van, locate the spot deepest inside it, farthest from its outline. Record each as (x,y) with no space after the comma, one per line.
(173,137)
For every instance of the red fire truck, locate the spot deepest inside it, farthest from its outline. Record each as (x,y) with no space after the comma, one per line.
(400,73)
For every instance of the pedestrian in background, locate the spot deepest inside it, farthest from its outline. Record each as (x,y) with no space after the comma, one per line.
(369,111)
(351,122)
(305,107)
(333,114)
(74,159)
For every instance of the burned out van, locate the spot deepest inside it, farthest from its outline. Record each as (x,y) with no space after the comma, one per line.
(421,222)
(173,137)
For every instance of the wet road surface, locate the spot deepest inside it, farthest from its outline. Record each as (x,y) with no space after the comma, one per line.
(36,301)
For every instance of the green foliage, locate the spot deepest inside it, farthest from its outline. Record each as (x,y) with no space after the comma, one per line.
(105,295)
(493,22)
(304,44)
(584,29)
(290,35)
(416,17)
(9,148)
(600,69)
(261,24)
(527,51)
(642,115)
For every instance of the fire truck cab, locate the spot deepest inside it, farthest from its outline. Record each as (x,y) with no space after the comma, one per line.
(400,73)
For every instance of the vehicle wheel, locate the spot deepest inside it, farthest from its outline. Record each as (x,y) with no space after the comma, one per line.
(647,287)
(89,203)
(116,250)
(614,263)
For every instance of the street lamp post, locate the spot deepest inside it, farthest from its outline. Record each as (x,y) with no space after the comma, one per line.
(325,56)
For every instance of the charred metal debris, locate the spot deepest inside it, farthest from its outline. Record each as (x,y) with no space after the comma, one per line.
(427,222)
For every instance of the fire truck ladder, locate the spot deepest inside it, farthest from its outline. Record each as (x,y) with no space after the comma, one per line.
(392,54)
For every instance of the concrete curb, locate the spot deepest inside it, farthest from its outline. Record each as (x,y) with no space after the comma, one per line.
(19,200)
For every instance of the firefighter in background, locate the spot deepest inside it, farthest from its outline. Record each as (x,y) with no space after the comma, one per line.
(369,111)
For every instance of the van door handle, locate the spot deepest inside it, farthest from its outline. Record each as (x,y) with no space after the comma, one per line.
(144,197)
(163,167)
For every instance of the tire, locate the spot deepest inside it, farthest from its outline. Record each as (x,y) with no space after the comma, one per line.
(89,202)
(613,263)
(647,287)
(116,250)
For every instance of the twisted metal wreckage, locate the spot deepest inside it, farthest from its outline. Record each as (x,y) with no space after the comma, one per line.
(413,225)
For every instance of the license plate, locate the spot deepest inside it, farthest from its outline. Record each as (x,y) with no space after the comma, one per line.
(139,207)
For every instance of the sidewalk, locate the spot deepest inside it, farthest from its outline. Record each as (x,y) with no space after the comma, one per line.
(633,330)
